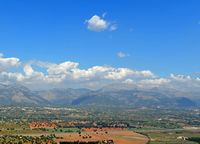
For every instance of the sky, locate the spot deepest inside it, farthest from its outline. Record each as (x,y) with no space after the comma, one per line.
(124,40)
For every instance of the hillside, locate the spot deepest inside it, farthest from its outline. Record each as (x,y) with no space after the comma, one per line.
(107,96)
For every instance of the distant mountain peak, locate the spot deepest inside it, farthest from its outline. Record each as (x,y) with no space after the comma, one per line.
(111,95)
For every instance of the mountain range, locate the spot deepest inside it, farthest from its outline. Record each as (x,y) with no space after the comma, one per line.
(112,95)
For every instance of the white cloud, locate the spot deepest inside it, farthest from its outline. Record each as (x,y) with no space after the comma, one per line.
(62,68)
(98,24)
(12,76)
(69,74)
(180,77)
(28,70)
(96,71)
(121,73)
(128,81)
(8,62)
(122,54)
(154,82)
(185,82)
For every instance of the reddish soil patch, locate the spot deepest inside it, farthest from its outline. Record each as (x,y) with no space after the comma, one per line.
(42,125)
(118,135)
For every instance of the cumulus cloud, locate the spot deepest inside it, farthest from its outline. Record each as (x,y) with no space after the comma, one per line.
(98,24)
(184,82)
(93,72)
(62,68)
(8,62)
(69,74)
(121,73)
(180,77)
(128,81)
(28,70)
(14,76)
(154,82)
(122,54)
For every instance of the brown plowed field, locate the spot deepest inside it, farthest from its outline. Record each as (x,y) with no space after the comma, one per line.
(118,135)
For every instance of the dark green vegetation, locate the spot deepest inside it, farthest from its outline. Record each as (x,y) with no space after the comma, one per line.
(61,130)
(194,139)
(20,139)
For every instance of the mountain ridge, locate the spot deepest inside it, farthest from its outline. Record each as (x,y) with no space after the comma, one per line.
(13,93)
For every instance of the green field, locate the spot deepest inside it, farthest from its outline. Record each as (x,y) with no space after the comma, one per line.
(171,137)
(61,130)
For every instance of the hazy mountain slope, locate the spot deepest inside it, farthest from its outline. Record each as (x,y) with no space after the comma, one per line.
(61,96)
(18,94)
(107,96)
(132,98)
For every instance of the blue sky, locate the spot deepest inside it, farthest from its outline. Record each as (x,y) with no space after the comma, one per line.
(161,36)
